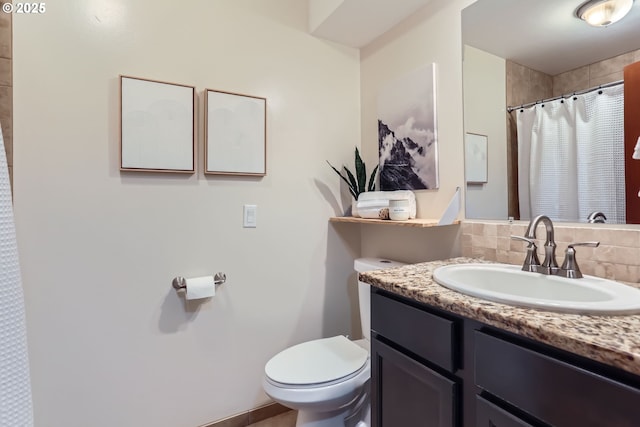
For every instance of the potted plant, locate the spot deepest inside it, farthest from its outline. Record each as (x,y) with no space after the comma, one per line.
(357,183)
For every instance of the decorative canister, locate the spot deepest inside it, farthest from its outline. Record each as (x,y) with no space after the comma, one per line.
(399,210)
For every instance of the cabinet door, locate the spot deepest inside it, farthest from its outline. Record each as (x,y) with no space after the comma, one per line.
(400,323)
(490,415)
(406,393)
(553,391)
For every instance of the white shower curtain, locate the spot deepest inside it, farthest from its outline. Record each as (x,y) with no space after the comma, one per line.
(571,157)
(15,388)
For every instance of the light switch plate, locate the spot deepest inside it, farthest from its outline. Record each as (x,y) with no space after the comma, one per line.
(250,216)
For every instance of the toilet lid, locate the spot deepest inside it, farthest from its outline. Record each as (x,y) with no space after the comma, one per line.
(317,361)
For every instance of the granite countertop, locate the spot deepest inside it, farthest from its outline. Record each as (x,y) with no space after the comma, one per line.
(613,340)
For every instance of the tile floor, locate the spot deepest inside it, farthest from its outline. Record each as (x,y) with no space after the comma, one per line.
(288,419)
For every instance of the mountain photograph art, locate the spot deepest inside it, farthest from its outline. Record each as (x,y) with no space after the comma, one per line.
(407,137)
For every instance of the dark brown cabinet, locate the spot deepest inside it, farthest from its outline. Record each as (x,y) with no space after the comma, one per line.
(409,394)
(556,392)
(490,415)
(434,368)
(413,384)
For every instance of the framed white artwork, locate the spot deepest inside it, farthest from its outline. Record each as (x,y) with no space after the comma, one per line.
(235,134)
(157,126)
(475,158)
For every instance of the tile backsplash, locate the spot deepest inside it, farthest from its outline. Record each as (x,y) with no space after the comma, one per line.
(6,87)
(617,257)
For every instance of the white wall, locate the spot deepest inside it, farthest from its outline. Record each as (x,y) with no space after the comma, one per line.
(485,114)
(319,10)
(430,35)
(111,344)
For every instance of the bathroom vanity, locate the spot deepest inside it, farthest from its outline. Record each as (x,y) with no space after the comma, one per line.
(441,358)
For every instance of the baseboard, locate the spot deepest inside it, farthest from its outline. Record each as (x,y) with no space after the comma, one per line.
(251,417)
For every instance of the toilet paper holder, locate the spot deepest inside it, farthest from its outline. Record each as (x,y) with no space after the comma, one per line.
(181,283)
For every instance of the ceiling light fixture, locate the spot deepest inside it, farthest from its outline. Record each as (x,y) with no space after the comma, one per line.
(601,13)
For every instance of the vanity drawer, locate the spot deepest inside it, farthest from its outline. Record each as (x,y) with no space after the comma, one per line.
(551,390)
(490,415)
(425,334)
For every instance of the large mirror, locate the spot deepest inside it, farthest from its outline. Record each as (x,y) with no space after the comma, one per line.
(518,52)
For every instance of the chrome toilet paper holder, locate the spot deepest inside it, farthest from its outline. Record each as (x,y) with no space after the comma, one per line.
(181,283)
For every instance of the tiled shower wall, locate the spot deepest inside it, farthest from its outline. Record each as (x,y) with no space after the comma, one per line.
(526,85)
(6,87)
(598,73)
(617,257)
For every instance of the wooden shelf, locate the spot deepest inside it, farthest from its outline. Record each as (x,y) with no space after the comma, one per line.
(417,223)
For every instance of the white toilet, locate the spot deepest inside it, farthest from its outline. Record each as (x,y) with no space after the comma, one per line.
(327,380)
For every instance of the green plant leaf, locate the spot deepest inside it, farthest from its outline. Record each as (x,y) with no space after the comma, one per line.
(354,184)
(361,172)
(372,179)
(352,188)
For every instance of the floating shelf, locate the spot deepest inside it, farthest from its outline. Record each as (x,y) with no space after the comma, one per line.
(417,223)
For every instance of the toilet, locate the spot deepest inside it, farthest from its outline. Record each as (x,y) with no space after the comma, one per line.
(327,380)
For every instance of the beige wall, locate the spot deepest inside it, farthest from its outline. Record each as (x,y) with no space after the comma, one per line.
(484,112)
(430,35)
(110,342)
(6,87)
(320,10)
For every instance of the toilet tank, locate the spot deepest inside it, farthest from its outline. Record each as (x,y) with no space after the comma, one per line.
(364,292)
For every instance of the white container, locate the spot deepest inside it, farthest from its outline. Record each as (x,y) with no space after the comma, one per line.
(399,210)
(371,203)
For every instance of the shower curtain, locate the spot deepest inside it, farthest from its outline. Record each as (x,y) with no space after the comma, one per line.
(571,157)
(15,389)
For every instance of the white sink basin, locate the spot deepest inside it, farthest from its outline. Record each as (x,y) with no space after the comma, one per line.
(508,284)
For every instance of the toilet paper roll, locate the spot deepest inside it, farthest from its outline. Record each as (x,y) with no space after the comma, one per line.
(200,287)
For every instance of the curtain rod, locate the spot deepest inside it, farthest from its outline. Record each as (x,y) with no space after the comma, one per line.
(581,92)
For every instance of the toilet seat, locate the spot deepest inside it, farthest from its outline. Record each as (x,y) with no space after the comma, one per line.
(319,362)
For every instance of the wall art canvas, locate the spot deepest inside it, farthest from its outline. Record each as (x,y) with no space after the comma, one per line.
(157,126)
(407,137)
(475,158)
(235,134)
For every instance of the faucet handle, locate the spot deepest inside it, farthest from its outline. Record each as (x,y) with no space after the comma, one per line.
(596,217)
(531,261)
(524,239)
(590,244)
(530,241)
(570,266)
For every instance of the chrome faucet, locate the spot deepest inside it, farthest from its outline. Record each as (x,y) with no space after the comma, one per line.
(596,217)
(570,267)
(531,263)
(549,265)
